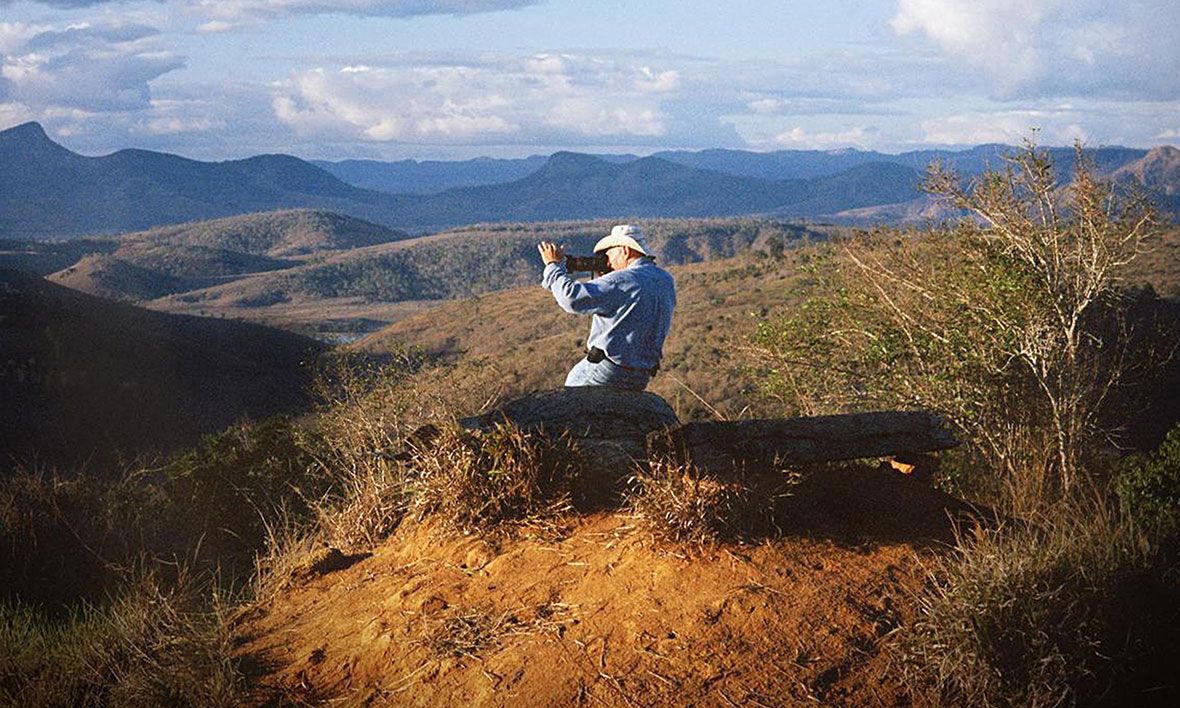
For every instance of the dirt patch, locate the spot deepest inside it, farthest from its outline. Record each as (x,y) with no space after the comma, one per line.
(600,614)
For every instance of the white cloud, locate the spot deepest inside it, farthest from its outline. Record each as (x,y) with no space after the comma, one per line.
(766,106)
(1055,47)
(176,117)
(215,27)
(529,98)
(1001,37)
(1009,127)
(799,138)
(651,82)
(241,9)
(62,4)
(99,66)
(14,35)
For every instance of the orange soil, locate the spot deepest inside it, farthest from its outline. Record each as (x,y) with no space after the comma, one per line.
(600,614)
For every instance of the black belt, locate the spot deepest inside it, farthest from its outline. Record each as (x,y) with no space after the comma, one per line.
(596,355)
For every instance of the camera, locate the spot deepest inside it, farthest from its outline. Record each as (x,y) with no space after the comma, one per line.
(589,264)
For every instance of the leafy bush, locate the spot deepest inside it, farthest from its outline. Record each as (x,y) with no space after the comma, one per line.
(1148,486)
(69,537)
(1008,322)
(223,490)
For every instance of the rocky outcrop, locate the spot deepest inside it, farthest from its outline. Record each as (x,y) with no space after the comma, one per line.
(803,440)
(585,412)
(611,425)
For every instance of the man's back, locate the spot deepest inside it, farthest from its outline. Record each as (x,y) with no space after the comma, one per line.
(633,334)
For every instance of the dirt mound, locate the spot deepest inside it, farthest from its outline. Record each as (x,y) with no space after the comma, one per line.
(596,613)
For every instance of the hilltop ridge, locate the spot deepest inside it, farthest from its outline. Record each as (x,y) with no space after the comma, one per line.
(82,376)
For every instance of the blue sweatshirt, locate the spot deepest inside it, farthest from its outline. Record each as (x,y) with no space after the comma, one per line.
(632,309)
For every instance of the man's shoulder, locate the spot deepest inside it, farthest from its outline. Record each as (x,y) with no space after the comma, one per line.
(651,270)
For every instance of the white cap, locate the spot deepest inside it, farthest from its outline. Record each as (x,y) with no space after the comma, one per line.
(623,235)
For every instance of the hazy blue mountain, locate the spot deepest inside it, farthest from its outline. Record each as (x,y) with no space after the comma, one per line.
(430,176)
(809,164)
(49,191)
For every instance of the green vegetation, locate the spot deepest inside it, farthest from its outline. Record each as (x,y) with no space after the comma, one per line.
(1078,606)
(1014,323)
(120,591)
(158,643)
(1149,485)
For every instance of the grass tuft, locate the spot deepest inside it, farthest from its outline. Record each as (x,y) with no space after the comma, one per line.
(476,481)
(683,504)
(158,643)
(1039,614)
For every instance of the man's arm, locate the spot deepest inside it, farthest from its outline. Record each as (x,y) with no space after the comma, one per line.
(593,298)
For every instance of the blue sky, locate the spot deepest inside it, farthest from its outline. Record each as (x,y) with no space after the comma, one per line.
(216,79)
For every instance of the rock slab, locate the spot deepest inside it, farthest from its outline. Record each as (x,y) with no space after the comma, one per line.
(610,423)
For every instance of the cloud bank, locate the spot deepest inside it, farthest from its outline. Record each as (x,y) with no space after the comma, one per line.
(544,97)
(85,67)
(943,72)
(1039,48)
(364,8)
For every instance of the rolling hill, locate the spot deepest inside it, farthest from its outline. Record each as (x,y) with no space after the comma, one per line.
(83,378)
(1158,172)
(223,267)
(151,264)
(456,264)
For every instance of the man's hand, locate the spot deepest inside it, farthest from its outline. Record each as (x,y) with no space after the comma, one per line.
(550,252)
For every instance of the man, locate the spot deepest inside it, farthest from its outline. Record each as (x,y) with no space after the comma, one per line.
(631,307)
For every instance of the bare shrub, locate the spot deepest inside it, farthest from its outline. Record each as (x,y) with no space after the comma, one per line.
(1010,322)
(680,503)
(1077,607)
(479,480)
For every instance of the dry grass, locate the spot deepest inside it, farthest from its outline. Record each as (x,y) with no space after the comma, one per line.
(158,643)
(478,481)
(466,634)
(1078,607)
(472,632)
(681,503)
(372,414)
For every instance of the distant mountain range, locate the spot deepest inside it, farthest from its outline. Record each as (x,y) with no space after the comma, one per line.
(411,176)
(47,191)
(430,176)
